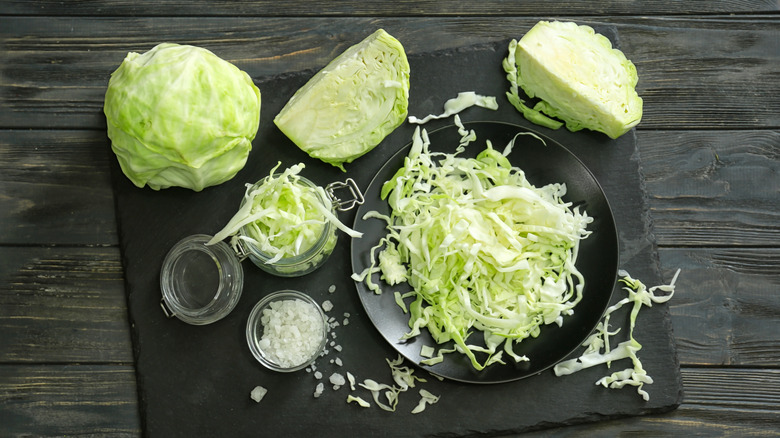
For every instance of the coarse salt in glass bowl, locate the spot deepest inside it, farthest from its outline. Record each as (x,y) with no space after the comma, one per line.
(286,331)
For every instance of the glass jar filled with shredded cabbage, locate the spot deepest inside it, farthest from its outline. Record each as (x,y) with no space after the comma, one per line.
(286,224)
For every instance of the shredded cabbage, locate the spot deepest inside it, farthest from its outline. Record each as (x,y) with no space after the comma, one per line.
(426,398)
(455,105)
(362,403)
(282,216)
(639,295)
(482,248)
(403,378)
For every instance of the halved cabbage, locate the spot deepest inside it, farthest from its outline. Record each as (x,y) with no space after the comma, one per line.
(179,115)
(352,104)
(578,76)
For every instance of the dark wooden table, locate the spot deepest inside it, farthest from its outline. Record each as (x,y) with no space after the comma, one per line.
(709,144)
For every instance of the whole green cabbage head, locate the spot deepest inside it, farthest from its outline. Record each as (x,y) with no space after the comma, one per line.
(352,104)
(178,115)
(578,77)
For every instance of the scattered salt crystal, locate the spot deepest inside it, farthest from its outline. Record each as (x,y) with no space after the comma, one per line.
(346,321)
(338,361)
(317,375)
(332,288)
(337,379)
(337,348)
(327,306)
(258,393)
(318,390)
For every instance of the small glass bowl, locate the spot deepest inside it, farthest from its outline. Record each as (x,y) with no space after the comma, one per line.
(299,265)
(200,283)
(255,329)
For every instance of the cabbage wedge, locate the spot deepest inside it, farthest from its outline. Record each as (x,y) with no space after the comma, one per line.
(578,77)
(352,104)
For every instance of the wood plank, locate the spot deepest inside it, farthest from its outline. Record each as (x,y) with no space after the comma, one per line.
(63,305)
(726,309)
(715,72)
(499,8)
(57,400)
(707,73)
(55,188)
(703,191)
(69,400)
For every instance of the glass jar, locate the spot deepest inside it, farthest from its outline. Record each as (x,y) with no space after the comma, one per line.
(308,259)
(200,283)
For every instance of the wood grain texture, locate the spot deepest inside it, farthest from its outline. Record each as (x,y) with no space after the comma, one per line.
(65,400)
(726,309)
(63,305)
(713,188)
(55,188)
(55,69)
(500,8)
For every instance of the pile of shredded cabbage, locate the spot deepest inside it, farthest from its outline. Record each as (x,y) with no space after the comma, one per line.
(282,216)
(481,247)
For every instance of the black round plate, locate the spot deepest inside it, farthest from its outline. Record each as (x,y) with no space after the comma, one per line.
(597,260)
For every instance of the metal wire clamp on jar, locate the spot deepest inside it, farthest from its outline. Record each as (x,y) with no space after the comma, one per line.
(202,284)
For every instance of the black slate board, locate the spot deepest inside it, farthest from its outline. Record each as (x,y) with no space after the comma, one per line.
(196,380)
